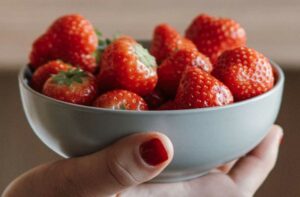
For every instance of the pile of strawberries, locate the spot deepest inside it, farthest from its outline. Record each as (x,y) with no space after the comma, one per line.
(209,66)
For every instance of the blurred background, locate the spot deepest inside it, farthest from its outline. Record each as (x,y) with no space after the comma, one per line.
(272,27)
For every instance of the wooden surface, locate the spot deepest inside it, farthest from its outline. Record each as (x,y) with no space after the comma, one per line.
(272,25)
(21,150)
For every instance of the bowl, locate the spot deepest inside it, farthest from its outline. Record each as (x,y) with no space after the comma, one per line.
(203,138)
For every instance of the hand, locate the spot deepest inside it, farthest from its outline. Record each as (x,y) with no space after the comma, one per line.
(120,170)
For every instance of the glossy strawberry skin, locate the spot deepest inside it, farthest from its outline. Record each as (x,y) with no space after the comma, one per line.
(167,40)
(245,71)
(121,99)
(82,93)
(71,38)
(125,64)
(45,71)
(199,89)
(171,69)
(213,35)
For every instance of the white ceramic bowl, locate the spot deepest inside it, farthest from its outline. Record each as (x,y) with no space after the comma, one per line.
(202,138)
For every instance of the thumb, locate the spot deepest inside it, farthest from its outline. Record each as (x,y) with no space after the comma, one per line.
(130,161)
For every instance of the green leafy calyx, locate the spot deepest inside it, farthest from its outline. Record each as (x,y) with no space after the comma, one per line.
(69,77)
(144,56)
(122,106)
(102,44)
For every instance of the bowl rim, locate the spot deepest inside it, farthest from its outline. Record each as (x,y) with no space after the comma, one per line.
(278,84)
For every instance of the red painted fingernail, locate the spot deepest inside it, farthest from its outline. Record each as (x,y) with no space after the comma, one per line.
(153,152)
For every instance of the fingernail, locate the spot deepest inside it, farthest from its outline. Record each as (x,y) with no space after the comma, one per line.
(153,152)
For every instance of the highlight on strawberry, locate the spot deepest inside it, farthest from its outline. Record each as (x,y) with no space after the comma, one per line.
(121,100)
(45,71)
(171,69)
(210,66)
(71,38)
(73,86)
(245,71)
(214,35)
(199,89)
(167,40)
(125,64)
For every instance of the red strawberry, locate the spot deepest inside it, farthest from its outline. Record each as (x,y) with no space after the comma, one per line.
(73,86)
(199,89)
(171,69)
(125,64)
(121,99)
(246,72)
(155,98)
(45,71)
(213,36)
(70,38)
(166,40)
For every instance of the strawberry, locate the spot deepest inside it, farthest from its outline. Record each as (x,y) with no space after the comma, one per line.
(171,69)
(125,64)
(245,71)
(155,98)
(199,89)
(121,99)
(73,86)
(70,38)
(213,35)
(166,40)
(45,71)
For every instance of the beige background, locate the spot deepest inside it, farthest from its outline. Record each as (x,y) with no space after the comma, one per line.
(273,28)
(273,25)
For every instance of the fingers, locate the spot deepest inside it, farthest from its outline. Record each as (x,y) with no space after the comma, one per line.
(250,171)
(130,161)
(227,167)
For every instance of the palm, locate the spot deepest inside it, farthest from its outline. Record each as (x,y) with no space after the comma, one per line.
(239,178)
(113,170)
(214,185)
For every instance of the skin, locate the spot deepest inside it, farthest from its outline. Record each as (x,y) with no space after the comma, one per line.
(120,171)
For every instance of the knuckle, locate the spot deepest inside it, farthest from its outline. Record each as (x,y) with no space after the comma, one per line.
(122,175)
